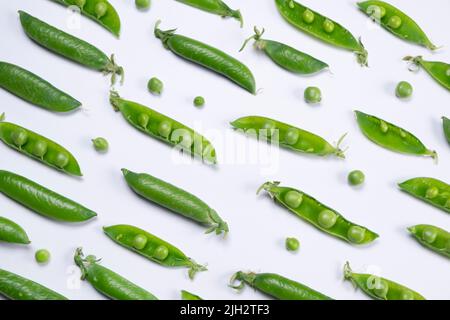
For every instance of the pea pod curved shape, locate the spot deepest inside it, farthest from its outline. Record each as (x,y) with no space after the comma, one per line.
(11,232)
(319,215)
(32,88)
(185,295)
(293,12)
(39,148)
(276,286)
(439,71)
(208,57)
(446,126)
(380,288)
(69,46)
(42,200)
(406,29)
(107,282)
(175,199)
(110,20)
(216,7)
(15,287)
(432,237)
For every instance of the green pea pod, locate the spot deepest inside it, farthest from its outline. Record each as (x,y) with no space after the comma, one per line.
(69,46)
(439,71)
(391,137)
(432,237)
(175,199)
(154,248)
(15,287)
(38,147)
(101,11)
(321,27)
(107,282)
(42,200)
(164,128)
(396,22)
(432,191)
(287,136)
(185,295)
(446,126)
(11,232)
(276,286)
(32,88)
(380,288)
(208,57)
(216,7)
(319,215)
(285,56)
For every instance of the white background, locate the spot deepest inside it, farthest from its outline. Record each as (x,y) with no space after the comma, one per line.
(258,226)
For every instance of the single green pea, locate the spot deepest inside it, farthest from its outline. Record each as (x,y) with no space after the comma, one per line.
(308,16)
(432,192)
(80,3)
(356,178)
(406,295)
(100,9)
(381,288)
(403,90)
(142,4)
(293,199)
(155,86)
(61,160)
(327,219)
(42,256)
(186,140)
(39,149)
(312,95)
(161,253)
(164,129)
(100,144)
(140,241)
(143,120)
(328,26)
(292,244)
(199,101)
(376,12)
(384,126)
(292,136)
(394,22)
(19,137)
(356,234)
(429,235)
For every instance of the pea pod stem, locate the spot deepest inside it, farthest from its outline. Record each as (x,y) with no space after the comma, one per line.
(257,36)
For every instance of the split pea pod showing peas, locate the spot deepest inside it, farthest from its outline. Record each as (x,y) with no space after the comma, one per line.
(11,232)
(319,215)
(276,286)
(432,237)
(380,288)
(321,27)
(287,136)
(175,199)
(285,56)
(439,71)
(391,137)
(101,11)
(32,88)
(430,190)
(38,147)
(208,57)
(396,22)
(15,287)
(164,128)
(152,248)
(69,46)
(42,200)
(107,282)
(446,126)
(216,7)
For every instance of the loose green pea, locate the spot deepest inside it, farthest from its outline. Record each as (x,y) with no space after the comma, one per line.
(312,95)
(155,86)
(429,235)
(164,129)
(42,256)
(61,160)
(100,9)
(293,199)
(308,16)
(199,101)
(161,253)
(80,3)
(143,120)
(328,26)
(394,22)
(404,89)
(356,234)
(292,244)
(356,178)
(432,192)
(384,126)
(292,136)
(381,288)
(19,137)
(327,219)
(142,4)
(140,241)
(100,144)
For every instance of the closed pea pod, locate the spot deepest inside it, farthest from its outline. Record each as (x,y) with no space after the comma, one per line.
(439,71)
(175,199)
(287,136)
(69,46)
(208,57)
(446,127)
(156,249)
(380,288)
(276,286)
(285,56)
(34,89)
(107,282)
(321,27)
(11,232)
(216,7)
(38,147)
(42,200)
(432,237)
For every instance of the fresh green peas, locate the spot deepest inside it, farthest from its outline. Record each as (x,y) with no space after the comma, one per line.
(308,16)
(100,144)
(100,9)
(155,86)
(356,178)
(142,4)
(446,126)
(164,129)
(161,253)
(376,12)
(292,244)
(42,256)
(19,137)
(403,90)
(11,232)
(139,242)
(217,7)
(439,71)
(432,192)
(318,214)
(328,26)
(62,160)
(39,149)
(199,101)
(313,95)
(394,22)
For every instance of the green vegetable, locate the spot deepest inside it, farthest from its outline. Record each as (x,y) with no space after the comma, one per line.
(446,126)
(11,232)
(404,90)
(292,244)
(439,71)
(216,7)
(313,95)
(100,144)
(356,177)
(155,86)
(185,295)
(199,101)
(432,237)
(142,4)
(42,256)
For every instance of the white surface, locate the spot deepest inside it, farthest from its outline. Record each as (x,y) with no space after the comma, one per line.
(258,226)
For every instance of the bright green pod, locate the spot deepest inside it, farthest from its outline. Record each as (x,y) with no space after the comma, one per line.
(15,287)
(439,71)
(216,7)
(34,89)
(155,249)
(321,27)
(11,232)
(430,190)
(275,286)
(185,295)
(391,137)
(380,288)
(287,136)
(164,128)
(406,29)
(432,237)
(319,215)
(39,148)
(446,126)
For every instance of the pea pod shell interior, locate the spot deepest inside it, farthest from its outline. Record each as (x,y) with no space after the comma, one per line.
(418,187)
(440,244)
(439,71)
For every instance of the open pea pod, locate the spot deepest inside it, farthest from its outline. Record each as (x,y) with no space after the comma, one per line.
(439,71)
(432,237)
(319,215)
